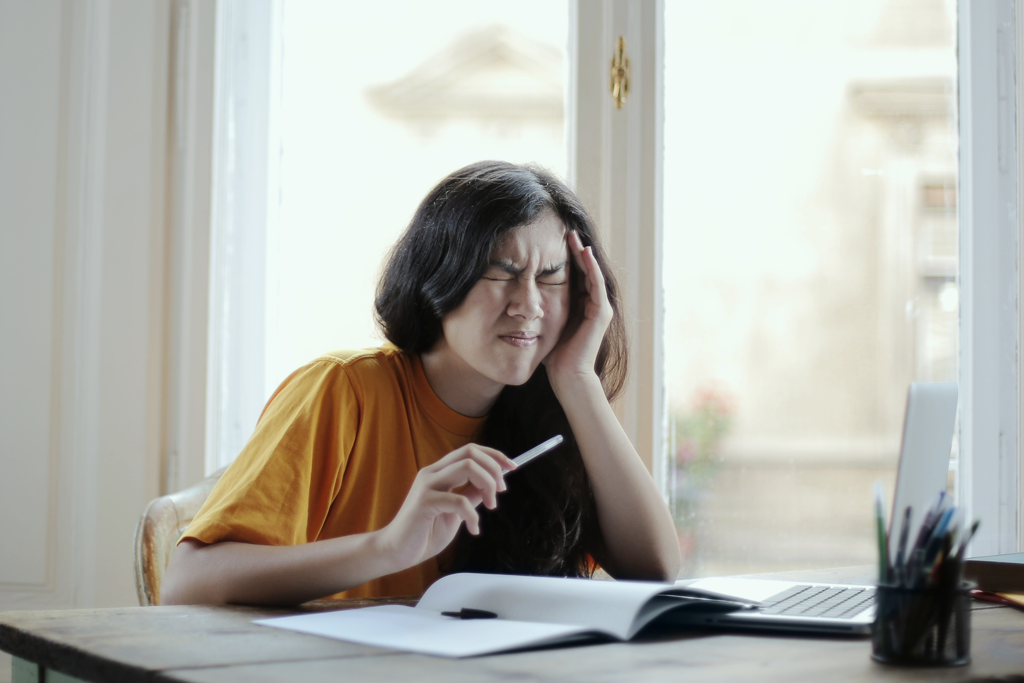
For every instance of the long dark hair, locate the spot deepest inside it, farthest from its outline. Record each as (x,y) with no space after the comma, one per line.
(546,522)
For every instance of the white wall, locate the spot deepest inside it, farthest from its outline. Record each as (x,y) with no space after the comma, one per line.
(83,254)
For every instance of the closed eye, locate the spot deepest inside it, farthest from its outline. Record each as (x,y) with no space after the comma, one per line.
(506,271)
(554,275)
(498,276)
(502,271)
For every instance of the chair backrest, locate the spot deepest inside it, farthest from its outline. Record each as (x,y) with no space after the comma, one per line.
(158,531)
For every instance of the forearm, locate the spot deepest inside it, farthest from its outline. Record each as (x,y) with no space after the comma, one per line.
(639,535)
(426,523)
(244,573)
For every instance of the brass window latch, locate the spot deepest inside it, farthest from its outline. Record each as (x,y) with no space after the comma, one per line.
(620,74)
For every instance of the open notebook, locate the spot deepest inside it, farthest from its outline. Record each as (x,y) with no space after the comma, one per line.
(531,611)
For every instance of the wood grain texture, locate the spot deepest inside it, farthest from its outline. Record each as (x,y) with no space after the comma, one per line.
(696,657)
(221,645)
(130,644)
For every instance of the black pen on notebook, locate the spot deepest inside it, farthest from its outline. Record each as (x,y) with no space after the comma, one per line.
(470,613)
(537,451)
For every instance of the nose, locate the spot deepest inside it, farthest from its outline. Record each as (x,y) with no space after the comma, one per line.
(526,301)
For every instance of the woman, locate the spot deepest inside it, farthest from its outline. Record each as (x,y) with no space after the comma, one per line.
(505,331)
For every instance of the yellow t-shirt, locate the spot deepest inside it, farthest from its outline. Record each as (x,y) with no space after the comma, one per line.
(334,453)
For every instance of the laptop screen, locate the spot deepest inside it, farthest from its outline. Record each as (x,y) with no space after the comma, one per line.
(924,453)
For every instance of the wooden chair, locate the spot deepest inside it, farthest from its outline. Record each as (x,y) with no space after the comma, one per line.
(158,531)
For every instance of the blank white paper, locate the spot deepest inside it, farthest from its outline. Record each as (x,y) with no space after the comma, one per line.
(424,631)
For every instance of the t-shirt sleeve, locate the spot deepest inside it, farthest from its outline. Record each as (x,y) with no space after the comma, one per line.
(281,487)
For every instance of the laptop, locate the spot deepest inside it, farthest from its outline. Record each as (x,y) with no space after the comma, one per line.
(811,607)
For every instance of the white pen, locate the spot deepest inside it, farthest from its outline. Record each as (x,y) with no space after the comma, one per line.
(536,451)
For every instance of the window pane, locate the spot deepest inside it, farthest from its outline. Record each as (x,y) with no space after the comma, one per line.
(810,266)
(380,101)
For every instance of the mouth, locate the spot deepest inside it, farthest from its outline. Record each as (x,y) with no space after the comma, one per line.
(520,339)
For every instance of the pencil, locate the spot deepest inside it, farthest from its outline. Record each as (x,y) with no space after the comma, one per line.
(883,543)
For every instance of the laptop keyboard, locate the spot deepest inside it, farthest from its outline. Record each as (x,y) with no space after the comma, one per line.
(819,601)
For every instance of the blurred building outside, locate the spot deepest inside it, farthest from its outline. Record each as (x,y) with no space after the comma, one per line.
(811,264)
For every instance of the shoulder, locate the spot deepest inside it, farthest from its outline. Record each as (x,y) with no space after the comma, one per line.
(347,377)
(333,372)
(365,364)
(358,369)
(351,358)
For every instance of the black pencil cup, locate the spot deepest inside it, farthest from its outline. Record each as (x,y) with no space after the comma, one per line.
(922,626)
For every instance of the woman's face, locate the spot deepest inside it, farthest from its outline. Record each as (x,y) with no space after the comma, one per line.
(514,315)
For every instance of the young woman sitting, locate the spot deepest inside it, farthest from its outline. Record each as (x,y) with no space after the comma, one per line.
(505,329)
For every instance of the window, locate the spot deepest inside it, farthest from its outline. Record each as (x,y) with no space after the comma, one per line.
(811,232)
(343,120)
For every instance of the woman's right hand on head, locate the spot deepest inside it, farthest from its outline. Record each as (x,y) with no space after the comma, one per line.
(442,497)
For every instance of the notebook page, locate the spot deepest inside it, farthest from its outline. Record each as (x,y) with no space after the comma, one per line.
(606,606)
(424,631)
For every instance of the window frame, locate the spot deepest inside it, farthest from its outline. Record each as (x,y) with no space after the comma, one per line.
(990,453)
(615,164)
(190,191)
(245,178)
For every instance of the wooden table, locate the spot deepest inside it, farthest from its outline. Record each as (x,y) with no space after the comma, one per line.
(222,645)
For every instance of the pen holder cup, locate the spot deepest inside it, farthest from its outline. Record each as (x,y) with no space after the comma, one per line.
(922,626)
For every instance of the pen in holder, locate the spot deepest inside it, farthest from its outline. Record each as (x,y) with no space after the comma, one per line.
(922,626)
(922,605)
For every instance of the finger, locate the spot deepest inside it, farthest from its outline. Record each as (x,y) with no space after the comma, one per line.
(467,472)
(575,241)
(593,270)
(484,483)
(473,494)
(441,504)
(482,454)
(595,282)
(494,461)
(452,503)
(593,278)
(576,247)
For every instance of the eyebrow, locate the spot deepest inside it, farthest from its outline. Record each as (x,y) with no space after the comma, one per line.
(512,269)
(551,270)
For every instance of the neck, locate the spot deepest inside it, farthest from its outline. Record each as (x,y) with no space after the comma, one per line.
(459,386)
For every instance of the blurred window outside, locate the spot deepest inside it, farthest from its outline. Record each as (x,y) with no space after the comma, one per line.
(811,228)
